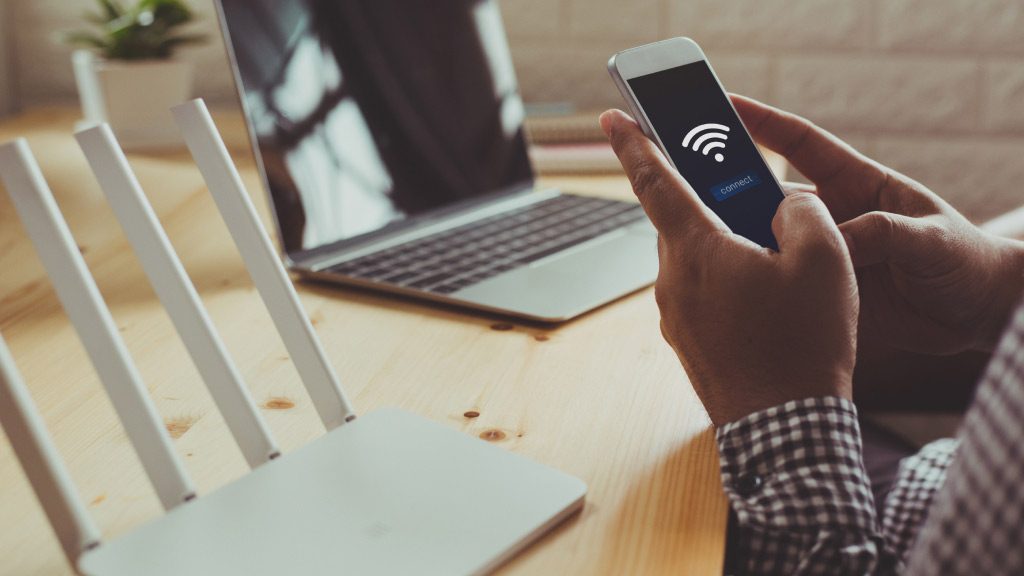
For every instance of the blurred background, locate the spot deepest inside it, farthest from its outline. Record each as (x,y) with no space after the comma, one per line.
(934,88)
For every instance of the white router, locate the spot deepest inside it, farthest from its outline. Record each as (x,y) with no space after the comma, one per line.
(387,493)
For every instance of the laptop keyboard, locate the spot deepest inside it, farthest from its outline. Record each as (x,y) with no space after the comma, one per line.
(454,259)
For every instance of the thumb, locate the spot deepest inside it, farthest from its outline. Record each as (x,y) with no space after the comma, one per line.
(671,204)
(878,237)
(803,223)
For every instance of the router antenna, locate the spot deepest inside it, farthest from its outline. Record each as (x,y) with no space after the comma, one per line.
(177,293)
(270,277)
(84,305)
(42,464)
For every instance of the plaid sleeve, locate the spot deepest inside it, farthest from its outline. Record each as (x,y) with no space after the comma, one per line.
(799,492)
(976,524)
(913,492)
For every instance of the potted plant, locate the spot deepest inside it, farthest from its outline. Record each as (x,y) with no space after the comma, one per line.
(126,73)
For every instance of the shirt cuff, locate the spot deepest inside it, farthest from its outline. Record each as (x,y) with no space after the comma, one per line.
(797,467)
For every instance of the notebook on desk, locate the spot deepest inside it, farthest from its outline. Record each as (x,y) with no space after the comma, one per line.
(390,140)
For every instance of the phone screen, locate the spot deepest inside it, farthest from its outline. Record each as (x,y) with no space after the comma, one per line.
(710,147)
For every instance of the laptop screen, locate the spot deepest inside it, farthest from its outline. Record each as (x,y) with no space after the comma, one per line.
(367,114)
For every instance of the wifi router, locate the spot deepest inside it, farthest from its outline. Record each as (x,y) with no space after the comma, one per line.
(385,493)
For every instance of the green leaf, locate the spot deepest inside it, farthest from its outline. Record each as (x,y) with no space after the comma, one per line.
(87,40)
(111,8)
(95,18)
(169,12)
(170,44)
(146,30)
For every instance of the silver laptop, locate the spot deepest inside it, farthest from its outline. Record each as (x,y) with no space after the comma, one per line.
(389,135)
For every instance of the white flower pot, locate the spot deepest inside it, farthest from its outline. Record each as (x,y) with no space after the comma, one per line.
(134,97)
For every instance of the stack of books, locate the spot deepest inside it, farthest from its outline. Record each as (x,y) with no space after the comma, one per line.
(566,142)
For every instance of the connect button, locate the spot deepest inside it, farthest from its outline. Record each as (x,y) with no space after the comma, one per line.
(735,186)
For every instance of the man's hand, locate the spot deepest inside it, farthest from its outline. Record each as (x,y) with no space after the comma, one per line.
(753,328)
(930,281)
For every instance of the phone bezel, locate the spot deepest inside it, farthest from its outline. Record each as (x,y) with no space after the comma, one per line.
(664,55)
(648,59)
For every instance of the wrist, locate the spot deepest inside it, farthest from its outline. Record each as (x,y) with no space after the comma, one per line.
(1006,293)
(745,399)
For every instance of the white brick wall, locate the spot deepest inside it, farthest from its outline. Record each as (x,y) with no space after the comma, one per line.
(8,91)
(932,87)
(890,94)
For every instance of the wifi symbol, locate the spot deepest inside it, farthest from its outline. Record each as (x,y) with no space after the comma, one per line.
(713,139)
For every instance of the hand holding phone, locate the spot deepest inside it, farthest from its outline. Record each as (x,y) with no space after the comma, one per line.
(753,328)
(680,104)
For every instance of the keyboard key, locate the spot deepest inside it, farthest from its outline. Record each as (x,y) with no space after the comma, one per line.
(400,277)
(429,281)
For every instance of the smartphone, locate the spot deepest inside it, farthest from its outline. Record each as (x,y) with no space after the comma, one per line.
(680,104)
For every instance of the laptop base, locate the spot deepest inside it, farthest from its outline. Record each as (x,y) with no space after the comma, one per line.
(389,493)
(555,289)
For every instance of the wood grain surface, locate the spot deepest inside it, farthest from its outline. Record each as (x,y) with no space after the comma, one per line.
(601,397)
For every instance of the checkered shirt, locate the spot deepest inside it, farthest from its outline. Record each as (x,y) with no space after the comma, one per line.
(802,500)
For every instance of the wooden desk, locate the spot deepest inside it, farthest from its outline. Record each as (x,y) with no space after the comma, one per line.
(602,397)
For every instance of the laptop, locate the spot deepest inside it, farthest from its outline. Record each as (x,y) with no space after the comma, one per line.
(389,137)
(389,493)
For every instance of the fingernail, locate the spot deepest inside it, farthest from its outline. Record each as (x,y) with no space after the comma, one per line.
(849,243)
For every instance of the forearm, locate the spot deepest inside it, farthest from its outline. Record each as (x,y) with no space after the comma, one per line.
(1005,294)
(801,498)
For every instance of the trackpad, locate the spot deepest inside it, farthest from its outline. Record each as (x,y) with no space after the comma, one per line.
(570,283)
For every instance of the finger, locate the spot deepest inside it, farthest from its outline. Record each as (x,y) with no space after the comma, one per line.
(796,187)
(878,237)
(668,200)
(803,223)
(814,152)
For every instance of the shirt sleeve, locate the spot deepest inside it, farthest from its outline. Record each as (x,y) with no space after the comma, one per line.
(976,523)
(799,493)
(913,493)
